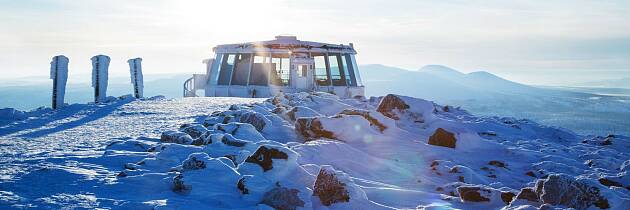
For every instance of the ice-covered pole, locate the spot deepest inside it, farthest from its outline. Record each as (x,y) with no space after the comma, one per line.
(135,68)
(100,64)
(59,75)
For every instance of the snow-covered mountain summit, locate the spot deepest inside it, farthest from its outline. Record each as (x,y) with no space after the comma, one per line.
(311,151)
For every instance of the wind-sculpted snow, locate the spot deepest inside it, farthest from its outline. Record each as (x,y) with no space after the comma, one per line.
(307,151)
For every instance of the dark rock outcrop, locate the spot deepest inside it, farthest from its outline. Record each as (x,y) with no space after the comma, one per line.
(566,191)
(328,188)
(175,137)
(242,182)
(179,186)
(264,157)
(195,161)
(389,104)
(507,197)
(282,198)
(311,128)
(473,194)
(194,130)
(443,138)
(365,114)
(229,140)
(528,194)
(255,119)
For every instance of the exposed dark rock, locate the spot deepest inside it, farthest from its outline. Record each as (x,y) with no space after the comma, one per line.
(311,128)
(443,138)
(507,197)
(528,194)
(329,189)
(175,137)
(566,191)
(241,185)
(264,155)
(530,173)
(231,141)
(488,133)
(194,130)
(282,198)
(179,186)
(204,139)
(365,114)
(255,119)
(389,104)
(195,162)
(497,163)
(608,141)
(473,194)
(608,182)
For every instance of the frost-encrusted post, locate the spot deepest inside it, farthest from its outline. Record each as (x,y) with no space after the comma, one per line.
(100,64)
(135,68)
(59,75)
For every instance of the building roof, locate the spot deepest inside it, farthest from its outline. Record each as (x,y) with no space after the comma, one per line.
(284,44)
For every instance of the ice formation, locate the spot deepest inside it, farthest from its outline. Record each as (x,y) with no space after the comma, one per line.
(59,75)
(135,70)
(100,65)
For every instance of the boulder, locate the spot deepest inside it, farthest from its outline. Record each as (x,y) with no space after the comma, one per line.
(195,161)
(282,198)
(474,194)
(528,194)
(507,197)
(312,128)
(229,140)
(390,104)
(264,156)
(560,189)
(329,188)
(443,138)
(176,137)
(367,115)
(258,120)
(194,130)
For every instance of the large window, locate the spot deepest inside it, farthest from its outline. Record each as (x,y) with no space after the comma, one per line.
(225,71)
(355,69)
(321,73)
(216,67)
(280,69)
(260,70)
(348,70)
(241,69)
(336,70)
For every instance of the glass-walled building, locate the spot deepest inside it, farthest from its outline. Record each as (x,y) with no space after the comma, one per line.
(263,69)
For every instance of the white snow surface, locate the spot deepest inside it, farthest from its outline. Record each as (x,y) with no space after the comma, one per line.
(114,155)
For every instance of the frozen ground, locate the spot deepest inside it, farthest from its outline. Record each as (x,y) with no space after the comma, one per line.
(43,156)
(304,151)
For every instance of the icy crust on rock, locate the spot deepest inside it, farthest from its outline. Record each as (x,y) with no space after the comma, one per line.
(317,151)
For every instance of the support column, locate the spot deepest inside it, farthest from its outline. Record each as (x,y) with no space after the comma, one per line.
(135,69)
(59,75)
(100,66)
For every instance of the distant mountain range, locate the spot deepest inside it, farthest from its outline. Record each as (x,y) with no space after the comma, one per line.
(586,110)
(583,110)
(610,83)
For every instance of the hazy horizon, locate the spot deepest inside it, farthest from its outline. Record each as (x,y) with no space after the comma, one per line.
(542,43)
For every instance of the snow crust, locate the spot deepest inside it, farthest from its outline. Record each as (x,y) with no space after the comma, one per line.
(364,153)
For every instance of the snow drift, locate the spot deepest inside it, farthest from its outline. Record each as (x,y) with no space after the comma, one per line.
(317,151)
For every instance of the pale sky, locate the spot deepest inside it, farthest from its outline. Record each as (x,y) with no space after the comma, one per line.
(534,42)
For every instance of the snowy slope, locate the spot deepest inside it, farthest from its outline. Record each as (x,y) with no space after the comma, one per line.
(304,151)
